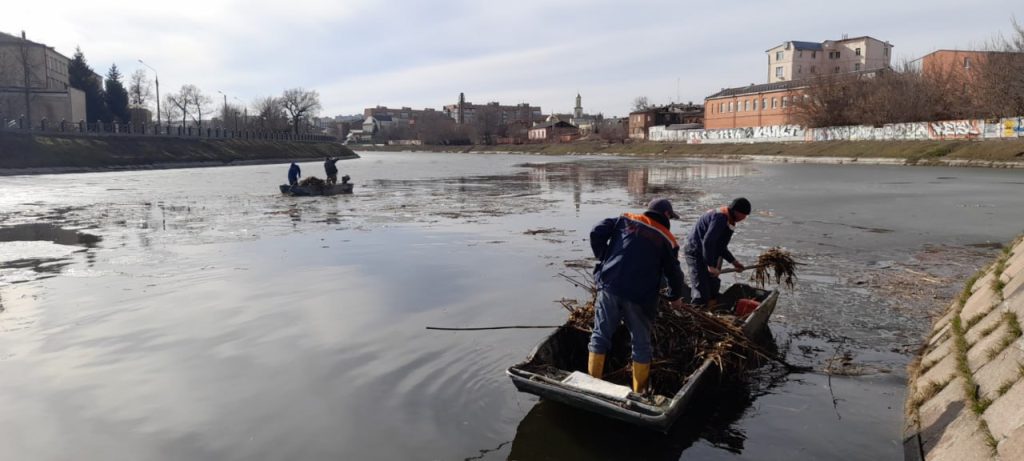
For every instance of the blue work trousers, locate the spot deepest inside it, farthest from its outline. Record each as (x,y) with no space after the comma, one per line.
(704,287)
(608,312)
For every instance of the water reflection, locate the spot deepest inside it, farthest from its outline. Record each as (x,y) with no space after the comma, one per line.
(41,250)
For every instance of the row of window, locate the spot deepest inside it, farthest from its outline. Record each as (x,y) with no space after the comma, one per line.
(751,105)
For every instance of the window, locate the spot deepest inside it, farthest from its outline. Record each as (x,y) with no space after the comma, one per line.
(764,103)
(774,103)
(779,55)
(967,62)
(746,105)
(721,107)
(856,66)
(836,70)
(856,51)
(833,55)
(800,54)
(730,106)
(813,70)
(754,105)
(799,69)
(785,101)
(814,55)
(778,72)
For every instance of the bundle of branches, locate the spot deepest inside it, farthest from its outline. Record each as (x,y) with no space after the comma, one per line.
(681,340)
(314,183)
(776,264)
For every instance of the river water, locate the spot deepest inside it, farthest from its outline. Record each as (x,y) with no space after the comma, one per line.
(198,314)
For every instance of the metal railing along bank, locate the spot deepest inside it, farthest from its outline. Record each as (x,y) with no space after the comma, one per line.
(153,130)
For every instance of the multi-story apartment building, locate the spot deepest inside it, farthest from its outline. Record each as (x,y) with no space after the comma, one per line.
(795,60)
(37,73)
(465,112)
(404,113)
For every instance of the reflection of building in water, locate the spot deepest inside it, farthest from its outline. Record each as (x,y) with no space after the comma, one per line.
(643,181)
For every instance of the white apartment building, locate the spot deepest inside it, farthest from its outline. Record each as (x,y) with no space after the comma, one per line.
(795,60)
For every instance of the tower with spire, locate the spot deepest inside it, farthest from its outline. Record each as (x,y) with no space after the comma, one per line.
(578,111)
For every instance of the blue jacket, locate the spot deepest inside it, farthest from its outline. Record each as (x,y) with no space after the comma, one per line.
(293,173)
(636,251)
(710,237)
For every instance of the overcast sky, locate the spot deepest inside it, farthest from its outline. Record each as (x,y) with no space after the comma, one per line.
(422,53)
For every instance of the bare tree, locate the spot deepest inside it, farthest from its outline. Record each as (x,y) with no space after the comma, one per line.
(139,89)
(999,82)
(300,104)
(270,113)
(171,110)
(641,104)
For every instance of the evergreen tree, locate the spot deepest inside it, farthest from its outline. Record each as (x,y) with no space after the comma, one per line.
(82,77)
(116,96)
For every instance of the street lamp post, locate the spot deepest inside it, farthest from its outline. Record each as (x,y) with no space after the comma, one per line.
(156,77)
(224,113)
(245,120)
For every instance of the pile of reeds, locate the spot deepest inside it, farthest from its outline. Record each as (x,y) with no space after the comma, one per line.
(775,264)
(681,340)
(314,183)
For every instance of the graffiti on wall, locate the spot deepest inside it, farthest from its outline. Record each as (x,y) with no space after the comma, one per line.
(1012,127)
(955,129)
(920,131)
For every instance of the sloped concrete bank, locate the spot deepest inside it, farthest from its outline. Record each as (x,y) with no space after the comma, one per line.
(22,153)
(965,398)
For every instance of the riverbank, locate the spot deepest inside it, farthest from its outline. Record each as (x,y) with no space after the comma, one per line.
(966,392)
(1000,153)
(22,153)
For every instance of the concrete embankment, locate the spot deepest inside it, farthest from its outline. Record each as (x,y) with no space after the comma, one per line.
(1000,153)
(966,393)
(22,153)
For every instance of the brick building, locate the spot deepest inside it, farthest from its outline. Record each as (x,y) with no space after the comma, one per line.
(465,112)
(796,60)
(753,105)
(671,114)
(38,73)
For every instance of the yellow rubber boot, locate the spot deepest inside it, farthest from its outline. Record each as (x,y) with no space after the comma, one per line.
(640,372)
(595,365)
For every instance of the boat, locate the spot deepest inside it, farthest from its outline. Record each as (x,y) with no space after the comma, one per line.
(334,189)
(556,370)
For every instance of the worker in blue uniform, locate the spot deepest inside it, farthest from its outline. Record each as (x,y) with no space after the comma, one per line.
(707,245)
(635,252)
(293,174)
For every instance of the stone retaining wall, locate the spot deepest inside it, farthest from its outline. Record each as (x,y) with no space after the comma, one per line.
(966,394)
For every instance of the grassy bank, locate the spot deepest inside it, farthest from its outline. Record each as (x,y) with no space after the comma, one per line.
(20,151)
(914,152)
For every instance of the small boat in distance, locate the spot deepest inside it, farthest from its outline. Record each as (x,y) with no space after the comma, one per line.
(316,186)
(557,370)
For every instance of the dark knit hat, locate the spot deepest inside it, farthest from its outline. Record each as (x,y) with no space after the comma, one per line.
(662,205)
(740,205)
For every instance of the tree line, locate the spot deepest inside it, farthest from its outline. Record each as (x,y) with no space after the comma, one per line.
(993,88)
(109,100)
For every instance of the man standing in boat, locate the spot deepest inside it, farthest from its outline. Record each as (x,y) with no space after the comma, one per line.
(293,174)
(331,170)
(635,252)
(706,247)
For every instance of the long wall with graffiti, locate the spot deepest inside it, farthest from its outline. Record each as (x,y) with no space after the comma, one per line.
(920,131)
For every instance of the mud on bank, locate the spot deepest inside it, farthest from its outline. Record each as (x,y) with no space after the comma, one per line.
(990,153)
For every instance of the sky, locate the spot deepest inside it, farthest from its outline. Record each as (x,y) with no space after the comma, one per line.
(423,53)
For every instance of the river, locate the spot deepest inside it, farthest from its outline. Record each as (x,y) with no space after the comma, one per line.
(198,314)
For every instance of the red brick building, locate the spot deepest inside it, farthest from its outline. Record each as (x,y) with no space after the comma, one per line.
(753,105)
